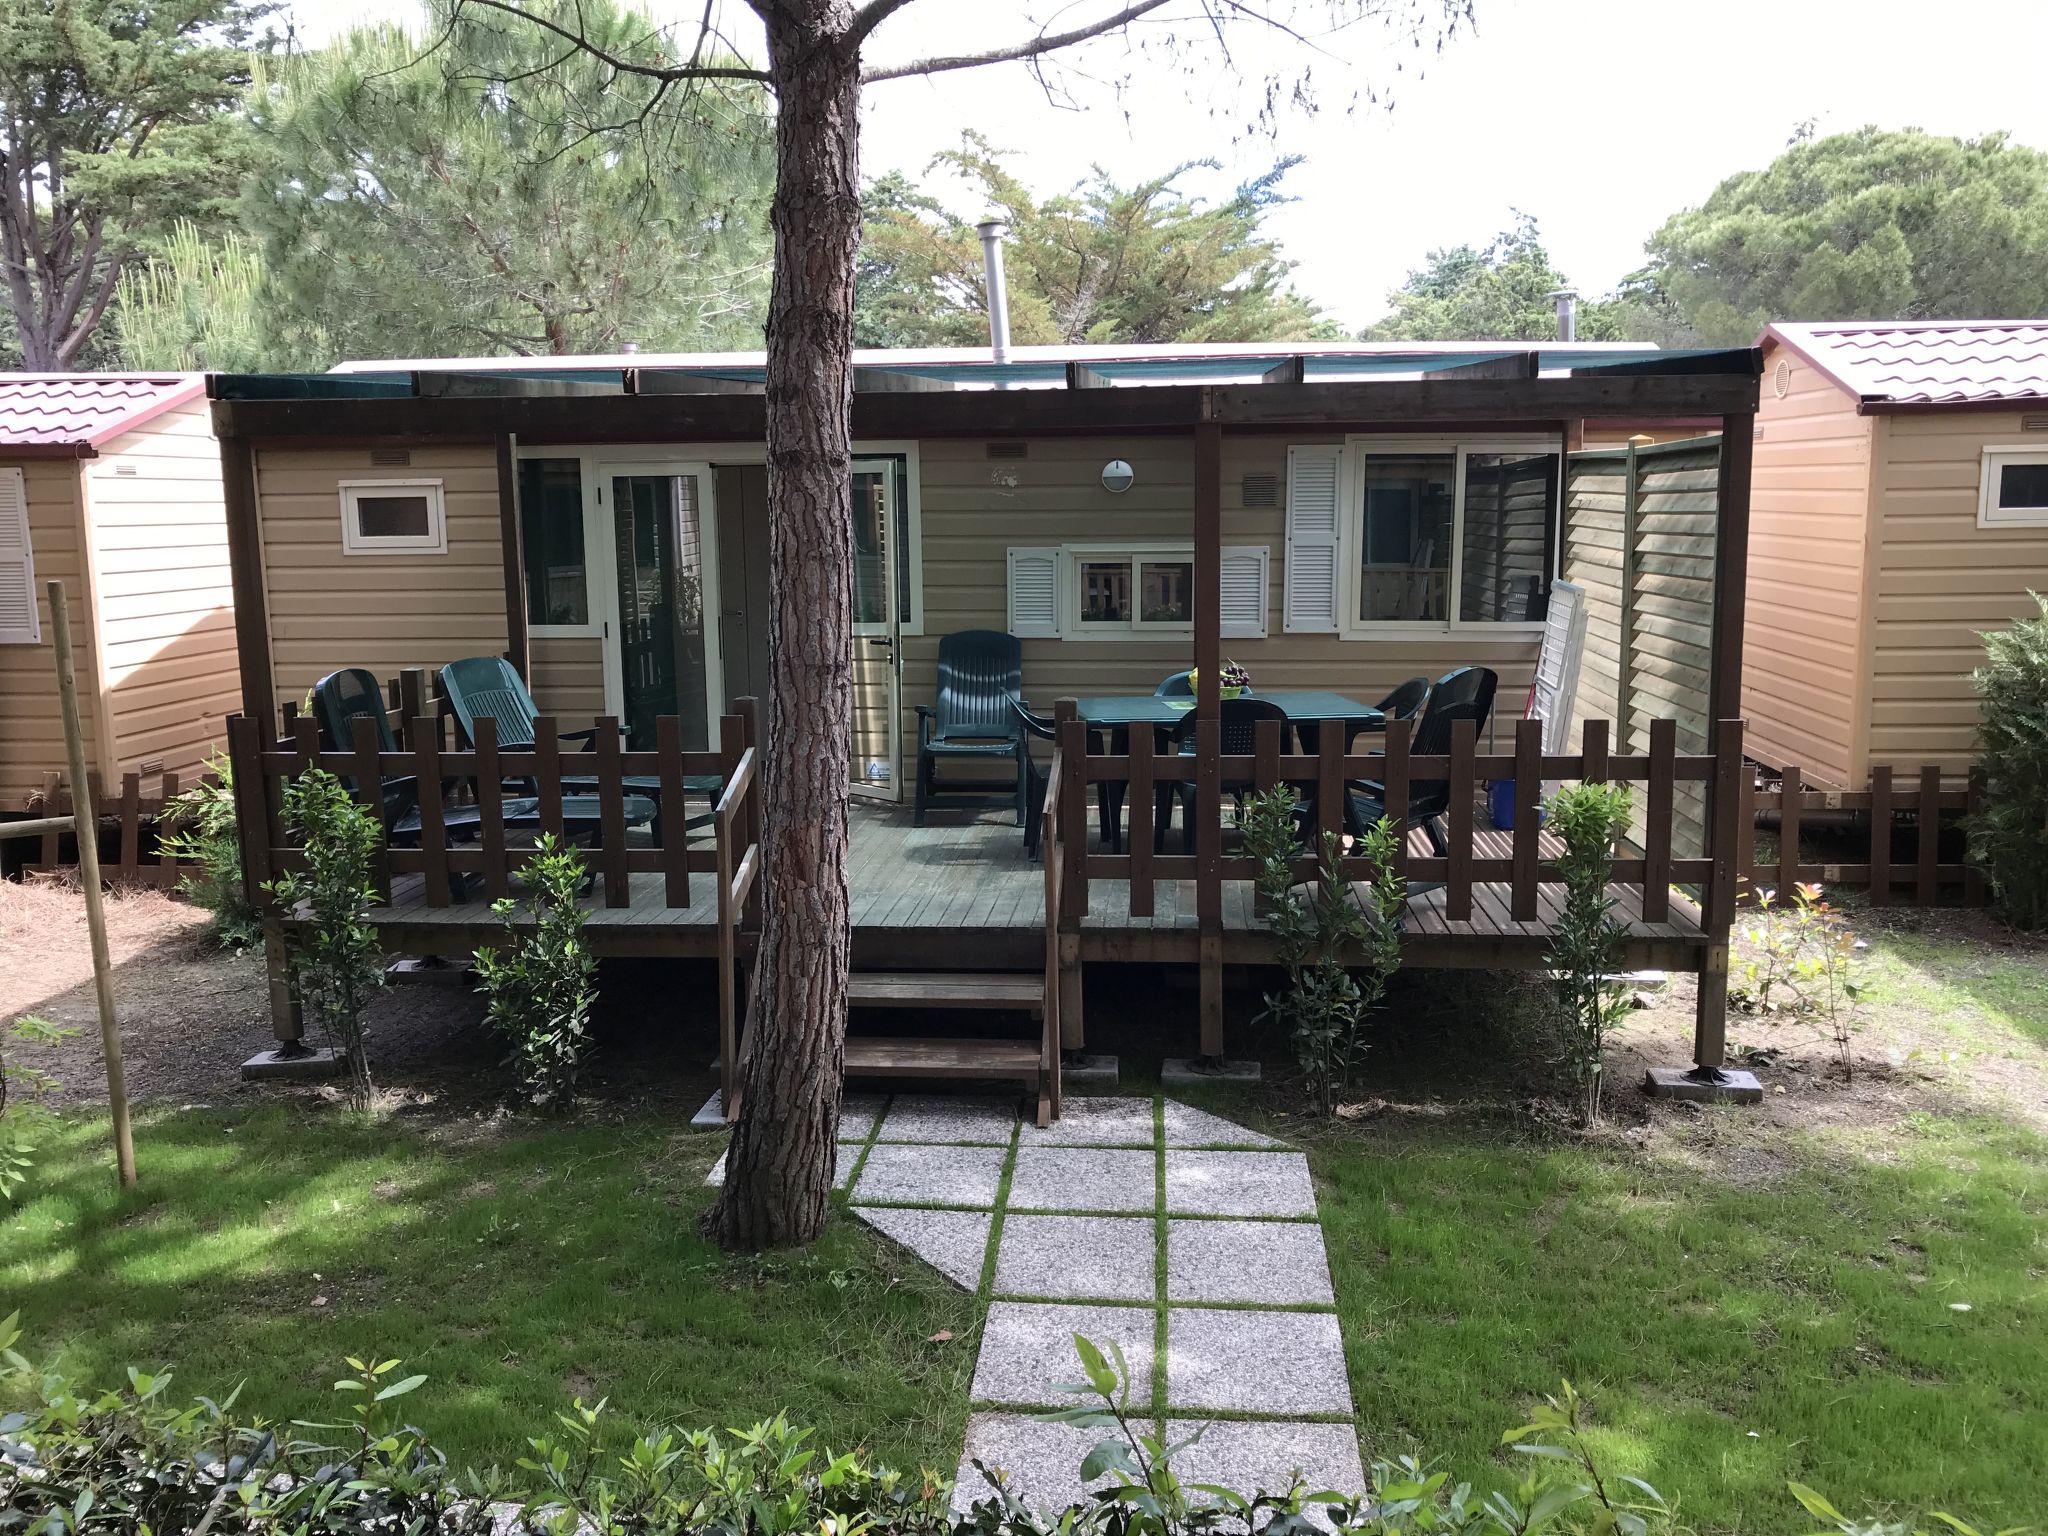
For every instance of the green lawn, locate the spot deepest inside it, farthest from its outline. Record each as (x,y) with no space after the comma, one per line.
(516,1268)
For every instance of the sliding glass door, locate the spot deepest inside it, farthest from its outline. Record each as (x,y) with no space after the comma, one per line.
(657,646)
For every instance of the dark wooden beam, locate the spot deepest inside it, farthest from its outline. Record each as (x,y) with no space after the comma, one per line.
(245,575)
(1515,365)
(1731,565)
(512,547)
(1176,408)
(1293,370)
(678,381)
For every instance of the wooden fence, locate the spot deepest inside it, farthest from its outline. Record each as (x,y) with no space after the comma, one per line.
(1923,880)
(1658,776)
(133,816)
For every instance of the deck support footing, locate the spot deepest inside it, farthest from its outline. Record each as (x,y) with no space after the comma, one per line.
(1715,1085)
(1078,1070)
(286,1064)
(1180,1071)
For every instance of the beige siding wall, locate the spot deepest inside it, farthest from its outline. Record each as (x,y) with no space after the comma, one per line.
(568,679)
(31,727)
(166,603)
(975,508)
(385,611)
(1937,581)
(1804,657)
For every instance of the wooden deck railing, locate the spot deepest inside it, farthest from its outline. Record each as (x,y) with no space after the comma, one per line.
(1921,881)
(132,814)
(1059,940)
(1462,867)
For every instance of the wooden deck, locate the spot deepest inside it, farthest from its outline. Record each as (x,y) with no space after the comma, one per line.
(959,893)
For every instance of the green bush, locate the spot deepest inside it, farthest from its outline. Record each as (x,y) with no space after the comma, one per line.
(336,963)
(1317,929)
(22,1122)
(541,989)
(128,1460)
(2009,836)
(1585,944)
(198,828)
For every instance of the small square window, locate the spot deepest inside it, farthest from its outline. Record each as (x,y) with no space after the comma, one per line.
(1166,592)
(393,517)
(2014,488)
(1106,591)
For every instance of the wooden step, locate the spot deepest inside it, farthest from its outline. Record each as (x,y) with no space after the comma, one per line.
(876,1056)
(945,989)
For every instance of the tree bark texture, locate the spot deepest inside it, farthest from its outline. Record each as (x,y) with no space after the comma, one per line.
(778,1181)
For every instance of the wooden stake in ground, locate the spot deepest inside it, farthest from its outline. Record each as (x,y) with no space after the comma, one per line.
(85,824)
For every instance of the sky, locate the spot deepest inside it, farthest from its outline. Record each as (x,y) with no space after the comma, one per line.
(1598,117)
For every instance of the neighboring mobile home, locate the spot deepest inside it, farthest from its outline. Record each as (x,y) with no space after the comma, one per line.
(1900,508)
(112,483)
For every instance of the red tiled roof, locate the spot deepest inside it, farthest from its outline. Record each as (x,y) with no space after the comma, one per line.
(76,411)
(1926,363)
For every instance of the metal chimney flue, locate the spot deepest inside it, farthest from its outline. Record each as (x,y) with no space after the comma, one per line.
(1567,302)
(992,231)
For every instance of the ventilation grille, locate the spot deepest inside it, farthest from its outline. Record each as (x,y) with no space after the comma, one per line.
(1262,489)
(390,458)
(1009,450)
(2034,423)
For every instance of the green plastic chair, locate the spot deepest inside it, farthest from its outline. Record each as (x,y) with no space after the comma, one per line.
(490,688)
(341,698)
(981,671)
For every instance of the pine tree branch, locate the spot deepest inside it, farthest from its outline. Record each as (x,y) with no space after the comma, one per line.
(625,66)
(1030,48)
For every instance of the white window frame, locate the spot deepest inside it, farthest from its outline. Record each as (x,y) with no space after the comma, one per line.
(1351,531)
(1996,457)
(1126,552)
(355,542)
(594,548)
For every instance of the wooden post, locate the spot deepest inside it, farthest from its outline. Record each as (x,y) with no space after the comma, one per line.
(87,830)
(1710,1014)
(511,544)
(1788,830)
(245,573)
(1928,882)
(1143,815)
(1522,903)
(1731,564)
(1880,834)
(1657,820)
(1208,799)
(1458,889)
(247,736)
(1072,819)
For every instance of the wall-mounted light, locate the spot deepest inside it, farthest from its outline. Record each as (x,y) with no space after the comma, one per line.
(1117,477)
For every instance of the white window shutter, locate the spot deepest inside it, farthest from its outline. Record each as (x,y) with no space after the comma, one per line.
(1244,592)
(19,624)
(1035,593)
(1313,524)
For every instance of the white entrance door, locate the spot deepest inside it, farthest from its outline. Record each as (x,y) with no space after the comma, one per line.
(661,655)
(877,760)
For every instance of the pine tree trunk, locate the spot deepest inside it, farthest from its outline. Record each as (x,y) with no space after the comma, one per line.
(778,1180)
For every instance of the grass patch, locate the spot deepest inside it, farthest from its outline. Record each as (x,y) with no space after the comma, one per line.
(1730,1337)
(516,1267)
(1975,992)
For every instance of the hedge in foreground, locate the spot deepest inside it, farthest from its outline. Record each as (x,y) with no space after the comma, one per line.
(126,1460)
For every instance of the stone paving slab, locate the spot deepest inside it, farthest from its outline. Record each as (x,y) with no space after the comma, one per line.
(1084,1179)
(1097,1122)
(843,1157)
(955,1243)
(1238,1184)
(1028,1353)
(1043,1460)
(985,1121)
(1109,1257)
(856,1114)
(931,1175)
(1263,1456)
(1187,1126)
(1277,1262)
(1264,1362)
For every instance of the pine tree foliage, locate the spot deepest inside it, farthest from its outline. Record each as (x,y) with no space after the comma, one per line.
(483,187)
(1100,262)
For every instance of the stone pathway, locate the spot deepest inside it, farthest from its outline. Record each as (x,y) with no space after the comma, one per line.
(1189,1240)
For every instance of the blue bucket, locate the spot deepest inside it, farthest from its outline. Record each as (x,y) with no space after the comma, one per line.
(1500,804)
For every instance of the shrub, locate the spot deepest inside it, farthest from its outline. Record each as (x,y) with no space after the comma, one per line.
(1325,1002)
(1805,946)
(335,961)
(20,1122)
(541,991)
(198,828)
(1585,945)
(2009,836)
(128,1460)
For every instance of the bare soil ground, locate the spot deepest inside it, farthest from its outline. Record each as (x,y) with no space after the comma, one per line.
(1448,1042)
